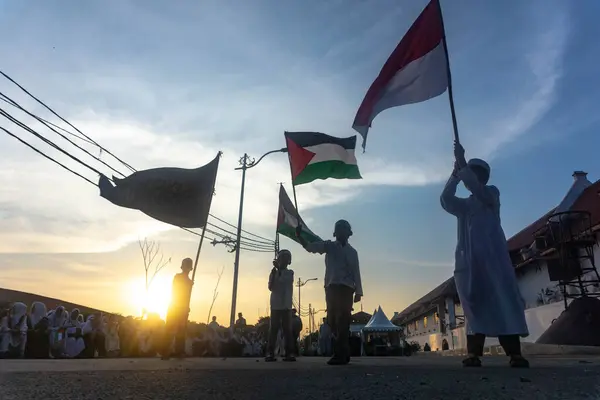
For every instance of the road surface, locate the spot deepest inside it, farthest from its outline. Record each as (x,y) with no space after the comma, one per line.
(418,377)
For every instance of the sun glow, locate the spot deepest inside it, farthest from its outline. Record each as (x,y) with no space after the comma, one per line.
(156,300)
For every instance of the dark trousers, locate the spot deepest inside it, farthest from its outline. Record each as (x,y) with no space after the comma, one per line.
(339,299)
(94,342)
(175,329)
(281,319)
(510,343)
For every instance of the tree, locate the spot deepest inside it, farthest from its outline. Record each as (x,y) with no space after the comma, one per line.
(215,293)
(152,264)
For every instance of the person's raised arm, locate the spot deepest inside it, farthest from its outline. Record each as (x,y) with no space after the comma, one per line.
(272,275)
(452,204)
(320,246)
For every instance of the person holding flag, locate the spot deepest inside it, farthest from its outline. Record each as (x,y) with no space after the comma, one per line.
(281,286)
(484,275)
(343,285)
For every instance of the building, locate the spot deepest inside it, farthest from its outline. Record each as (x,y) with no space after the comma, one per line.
(554,259)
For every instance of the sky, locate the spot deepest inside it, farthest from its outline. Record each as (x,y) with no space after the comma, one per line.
(159,85)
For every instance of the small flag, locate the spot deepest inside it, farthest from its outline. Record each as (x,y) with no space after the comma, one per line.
(287,220)
(177,196)
(416,71)
(315,155)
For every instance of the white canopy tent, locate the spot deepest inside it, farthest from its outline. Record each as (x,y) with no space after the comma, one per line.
(379,323)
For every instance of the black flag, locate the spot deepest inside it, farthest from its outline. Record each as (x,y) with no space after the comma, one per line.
(177,196)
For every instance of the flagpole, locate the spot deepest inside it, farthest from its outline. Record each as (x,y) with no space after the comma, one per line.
(246,162)
(198,253)
(201,241)
(293,186)
(449,75)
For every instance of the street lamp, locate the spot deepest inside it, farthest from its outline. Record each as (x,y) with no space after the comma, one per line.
(300,284)
(245,162)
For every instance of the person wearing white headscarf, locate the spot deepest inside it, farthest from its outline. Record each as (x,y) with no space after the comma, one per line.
(13,332)
(57,320)
(484,275)
(74,343)
(94,337)
(38,340)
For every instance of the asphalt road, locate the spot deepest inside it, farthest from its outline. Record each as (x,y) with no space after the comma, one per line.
(420,377)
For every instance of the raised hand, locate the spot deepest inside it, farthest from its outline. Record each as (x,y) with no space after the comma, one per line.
(459,155)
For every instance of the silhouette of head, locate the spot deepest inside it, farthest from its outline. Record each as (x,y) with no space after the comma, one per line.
(187,265)
(342,230)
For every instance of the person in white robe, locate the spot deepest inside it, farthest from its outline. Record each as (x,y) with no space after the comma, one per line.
(484,275)
(74,343)
(13,332)
(57,320)
(113,345)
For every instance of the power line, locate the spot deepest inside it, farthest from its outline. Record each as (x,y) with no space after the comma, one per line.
(249,244)
(235,227)
(17,105)
(46,156)
(44,139)
(9,101)
(64,120)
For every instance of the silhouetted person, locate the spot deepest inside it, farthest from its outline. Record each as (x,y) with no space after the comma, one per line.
(241,322)
(296,330)
(179,310)
(342,281)
(281,285)
(484,275)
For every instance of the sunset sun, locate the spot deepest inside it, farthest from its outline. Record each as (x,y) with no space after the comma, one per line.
(156,300)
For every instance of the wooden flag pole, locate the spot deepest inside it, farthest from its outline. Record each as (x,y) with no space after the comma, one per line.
(293,187)
(198,254)
(202,237)
(449,75)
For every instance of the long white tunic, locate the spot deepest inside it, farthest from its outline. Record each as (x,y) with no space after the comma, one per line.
(484,275)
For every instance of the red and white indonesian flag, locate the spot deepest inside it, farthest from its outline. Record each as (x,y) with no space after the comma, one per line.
(416,71)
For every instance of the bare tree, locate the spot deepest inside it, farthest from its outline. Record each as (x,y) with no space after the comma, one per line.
(215,293)
(152,264)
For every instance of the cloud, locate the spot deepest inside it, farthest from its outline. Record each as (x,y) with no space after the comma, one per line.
(544,58)
(163,104)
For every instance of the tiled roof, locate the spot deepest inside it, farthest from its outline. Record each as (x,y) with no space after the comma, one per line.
(446,289)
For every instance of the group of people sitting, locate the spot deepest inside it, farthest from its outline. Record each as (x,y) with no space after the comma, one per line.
(39,333)
(58,333)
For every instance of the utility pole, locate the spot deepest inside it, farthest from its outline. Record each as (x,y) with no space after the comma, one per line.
(246,163)
(300,284)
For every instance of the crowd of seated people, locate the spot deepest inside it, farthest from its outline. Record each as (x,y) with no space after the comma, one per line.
(36,332)
(58,333)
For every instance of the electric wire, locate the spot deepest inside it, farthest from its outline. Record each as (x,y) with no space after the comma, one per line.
(248,245)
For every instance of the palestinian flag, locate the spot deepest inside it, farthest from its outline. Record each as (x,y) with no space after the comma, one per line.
(315,155)
(287,219)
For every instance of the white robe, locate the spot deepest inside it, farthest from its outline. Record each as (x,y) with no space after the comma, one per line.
(73,345)
(112,341)
(13,329)
(57,320)
(484,275)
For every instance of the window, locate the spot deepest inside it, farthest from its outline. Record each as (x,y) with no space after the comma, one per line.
(425,323)
(437,318)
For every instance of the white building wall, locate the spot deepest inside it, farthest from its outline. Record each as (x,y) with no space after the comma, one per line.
(540,311)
